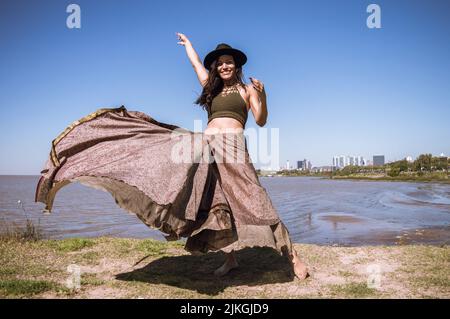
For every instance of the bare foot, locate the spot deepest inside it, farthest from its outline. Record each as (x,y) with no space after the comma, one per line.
(229,264)
(299,267)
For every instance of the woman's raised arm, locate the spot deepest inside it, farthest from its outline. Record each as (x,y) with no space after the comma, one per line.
(201,71)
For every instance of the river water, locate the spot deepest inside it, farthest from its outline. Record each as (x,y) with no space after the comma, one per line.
(315,210)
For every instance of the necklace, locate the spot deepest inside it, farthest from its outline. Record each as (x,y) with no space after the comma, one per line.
(229,89)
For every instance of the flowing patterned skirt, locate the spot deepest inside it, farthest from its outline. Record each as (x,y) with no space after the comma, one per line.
(198,186)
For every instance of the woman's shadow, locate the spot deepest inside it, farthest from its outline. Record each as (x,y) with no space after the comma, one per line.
(257,266)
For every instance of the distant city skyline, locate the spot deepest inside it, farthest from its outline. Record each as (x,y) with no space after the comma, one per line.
(367,161)
(408,157)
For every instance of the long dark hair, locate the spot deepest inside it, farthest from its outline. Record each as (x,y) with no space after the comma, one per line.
(215,85)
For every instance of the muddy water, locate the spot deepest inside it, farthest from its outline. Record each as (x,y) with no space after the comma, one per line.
(315,211)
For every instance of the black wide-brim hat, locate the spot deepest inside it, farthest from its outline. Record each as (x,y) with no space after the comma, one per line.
(239,57)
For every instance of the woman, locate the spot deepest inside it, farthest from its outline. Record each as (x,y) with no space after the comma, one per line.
(214,198)
(226,63)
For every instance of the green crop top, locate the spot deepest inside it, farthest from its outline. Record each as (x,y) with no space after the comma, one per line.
(230,105)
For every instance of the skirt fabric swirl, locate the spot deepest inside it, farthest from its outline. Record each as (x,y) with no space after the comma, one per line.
(198,186)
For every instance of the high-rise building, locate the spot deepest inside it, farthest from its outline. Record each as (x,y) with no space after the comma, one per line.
(361,161)
(342,161)
(378,160)
(335,161)
(304,165)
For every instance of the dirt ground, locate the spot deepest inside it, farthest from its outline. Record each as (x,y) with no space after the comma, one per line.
(133,268)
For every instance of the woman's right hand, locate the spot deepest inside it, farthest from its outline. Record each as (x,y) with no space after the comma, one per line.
(183,39)
(202,73)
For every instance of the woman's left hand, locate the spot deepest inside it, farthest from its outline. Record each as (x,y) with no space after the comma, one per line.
(258,85)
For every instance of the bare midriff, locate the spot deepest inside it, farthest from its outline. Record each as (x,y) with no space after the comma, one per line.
(224,125)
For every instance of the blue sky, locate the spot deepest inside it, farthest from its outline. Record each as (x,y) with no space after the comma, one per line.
(334,86)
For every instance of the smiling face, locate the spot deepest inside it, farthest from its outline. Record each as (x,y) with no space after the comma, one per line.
(226,67)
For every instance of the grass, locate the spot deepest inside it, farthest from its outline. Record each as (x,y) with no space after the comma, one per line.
(25,287)
(353,290)
(91,280)
(71,244)
(29,232)
(134,268)
(432,277)
(151,247)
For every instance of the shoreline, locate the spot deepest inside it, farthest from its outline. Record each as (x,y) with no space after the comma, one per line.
(366,178)
(145,268)
(430,236)
(392,179)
